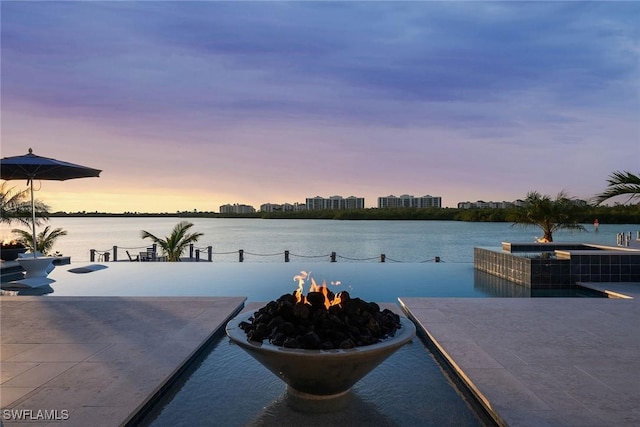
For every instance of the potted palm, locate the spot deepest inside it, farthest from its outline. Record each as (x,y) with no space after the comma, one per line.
(45,240)
(38,265)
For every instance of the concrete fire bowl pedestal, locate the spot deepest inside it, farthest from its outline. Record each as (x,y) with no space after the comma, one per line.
(319,380)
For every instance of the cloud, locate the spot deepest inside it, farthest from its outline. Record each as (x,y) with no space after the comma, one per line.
(251,56)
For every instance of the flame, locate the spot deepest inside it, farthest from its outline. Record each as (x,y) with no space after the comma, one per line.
(337,300)
(300,298)
(300,278)
(11,243)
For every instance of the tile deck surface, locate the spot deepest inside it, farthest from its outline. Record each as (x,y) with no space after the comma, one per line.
(543,361)
(95,361)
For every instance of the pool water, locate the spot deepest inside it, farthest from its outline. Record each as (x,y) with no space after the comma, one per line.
(229,388)
(381,282)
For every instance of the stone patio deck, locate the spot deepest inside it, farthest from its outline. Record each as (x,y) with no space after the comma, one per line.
(96,361)
(543,361)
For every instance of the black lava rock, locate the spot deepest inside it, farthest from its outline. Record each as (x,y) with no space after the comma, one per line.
(353,323)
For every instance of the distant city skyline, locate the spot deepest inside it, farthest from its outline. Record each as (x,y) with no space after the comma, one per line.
(383,204)
(194,105)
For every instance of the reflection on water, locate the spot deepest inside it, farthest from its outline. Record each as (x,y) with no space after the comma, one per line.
(10,290)
(498,287)
(278,414)
(230,388)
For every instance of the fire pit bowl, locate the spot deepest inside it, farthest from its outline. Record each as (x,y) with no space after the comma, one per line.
(319,380)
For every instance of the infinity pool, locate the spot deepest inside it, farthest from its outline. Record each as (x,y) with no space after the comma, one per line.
(380,282)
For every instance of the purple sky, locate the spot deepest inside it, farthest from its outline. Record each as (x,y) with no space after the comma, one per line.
(191,105)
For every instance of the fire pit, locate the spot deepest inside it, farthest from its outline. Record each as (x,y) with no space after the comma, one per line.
(320,347)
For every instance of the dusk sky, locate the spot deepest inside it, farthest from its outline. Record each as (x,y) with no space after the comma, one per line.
(192,105)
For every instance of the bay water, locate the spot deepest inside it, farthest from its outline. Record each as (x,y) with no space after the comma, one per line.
(265,240)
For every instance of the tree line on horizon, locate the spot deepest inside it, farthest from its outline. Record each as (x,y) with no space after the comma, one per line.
(617,214)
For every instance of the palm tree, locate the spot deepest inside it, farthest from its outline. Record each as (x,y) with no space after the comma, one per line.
(550,215)
(620,184)
(44,240)
(173,245)
(15,206)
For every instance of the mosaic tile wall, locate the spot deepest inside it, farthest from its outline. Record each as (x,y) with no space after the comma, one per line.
(544,269)
(605,267)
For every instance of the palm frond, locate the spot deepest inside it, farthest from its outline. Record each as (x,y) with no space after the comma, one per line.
(174,245)
(550,215)
(15,206)
(45,240)
(620,183)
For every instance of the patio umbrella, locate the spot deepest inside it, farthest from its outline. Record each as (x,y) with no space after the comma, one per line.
(32,167)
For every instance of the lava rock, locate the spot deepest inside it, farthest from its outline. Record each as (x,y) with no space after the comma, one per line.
(291,324)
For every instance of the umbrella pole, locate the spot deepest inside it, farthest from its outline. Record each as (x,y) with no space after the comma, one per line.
(33,220)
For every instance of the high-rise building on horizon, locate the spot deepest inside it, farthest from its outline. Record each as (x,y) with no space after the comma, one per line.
(282,207)
(481,204)
(237,208)
(334,202)
(409,201)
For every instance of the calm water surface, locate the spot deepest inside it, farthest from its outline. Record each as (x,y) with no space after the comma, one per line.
(311,240)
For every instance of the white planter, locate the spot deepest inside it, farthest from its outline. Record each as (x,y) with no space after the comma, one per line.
(36,267)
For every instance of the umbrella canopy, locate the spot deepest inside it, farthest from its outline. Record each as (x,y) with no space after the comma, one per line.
(32,167)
